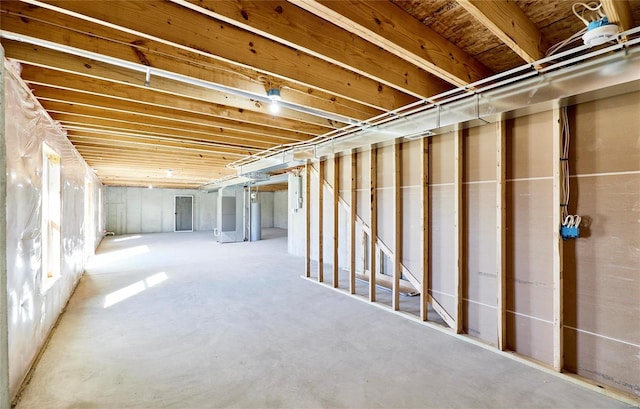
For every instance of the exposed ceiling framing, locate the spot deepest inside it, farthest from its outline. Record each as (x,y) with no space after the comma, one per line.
(205,104)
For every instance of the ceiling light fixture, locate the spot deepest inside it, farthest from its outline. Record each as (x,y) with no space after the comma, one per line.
(274,96)
(169,172)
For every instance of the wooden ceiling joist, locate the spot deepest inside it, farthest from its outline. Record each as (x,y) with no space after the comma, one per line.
(110,130)
(70,121)
(44,66)
(179,27)
(64,112)
(618,12)
(386,25)
(44,24)
(509,23)
(60,80)
(301,30)
(226,127)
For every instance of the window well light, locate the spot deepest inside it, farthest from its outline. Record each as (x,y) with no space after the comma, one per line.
(274,96)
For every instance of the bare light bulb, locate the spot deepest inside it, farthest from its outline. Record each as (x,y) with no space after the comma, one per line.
(274,107)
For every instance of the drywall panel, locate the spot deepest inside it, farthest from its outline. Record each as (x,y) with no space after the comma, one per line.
(605,135)
(606,361)
(327,245)
(443,284)
(364,187)
(601,280)
(313,223)
(529,149)
(412,207)
(529,194)
(386,196)
(281,209)
(479,226)
(33,308)
(441,167)
(479,282)
(529,264)
(412,230)
(530,336)
(345,178)
(442,239)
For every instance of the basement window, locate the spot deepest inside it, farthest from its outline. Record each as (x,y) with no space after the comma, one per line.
(51,207)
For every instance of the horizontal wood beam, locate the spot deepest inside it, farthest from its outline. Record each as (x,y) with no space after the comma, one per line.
(391,28)
(124,129)
(509,23)
(618,12)
(47,94)
(73,82)
(179,27)
(293,26)
(88,115)
(21,18)
(81,98)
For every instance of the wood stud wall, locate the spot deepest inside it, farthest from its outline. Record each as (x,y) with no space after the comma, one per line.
(374,245)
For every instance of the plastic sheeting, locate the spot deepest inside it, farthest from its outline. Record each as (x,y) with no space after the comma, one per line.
(32,310)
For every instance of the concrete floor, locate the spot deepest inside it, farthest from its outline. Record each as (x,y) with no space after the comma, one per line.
(208,325)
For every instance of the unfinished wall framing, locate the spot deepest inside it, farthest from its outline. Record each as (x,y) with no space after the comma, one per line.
(488,257)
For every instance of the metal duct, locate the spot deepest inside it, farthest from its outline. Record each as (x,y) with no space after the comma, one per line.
(575,80)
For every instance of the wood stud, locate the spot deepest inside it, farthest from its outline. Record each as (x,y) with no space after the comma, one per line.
(352,231)
(397,253)
(558,353)
(501,242)
(321,169)
(336,199)
(424,195)
(458,234)
(307,206)
(373,235)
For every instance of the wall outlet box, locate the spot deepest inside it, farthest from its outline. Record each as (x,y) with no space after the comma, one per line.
(569,232)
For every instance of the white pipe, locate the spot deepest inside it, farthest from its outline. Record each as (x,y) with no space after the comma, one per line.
(149,71)
(4,329)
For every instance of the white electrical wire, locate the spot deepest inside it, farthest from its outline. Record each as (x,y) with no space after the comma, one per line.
(554,48)
(595,7)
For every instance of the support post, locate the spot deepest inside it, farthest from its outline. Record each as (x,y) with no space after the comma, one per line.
(336,198)
(5,399)
(397,253)
(352,234)
(458,234)
(558,353)
(373,236)
(307,206)
(501,223)
(321,166)
(424,195)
